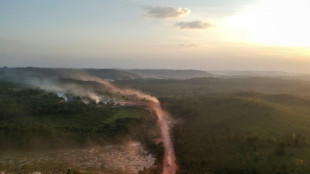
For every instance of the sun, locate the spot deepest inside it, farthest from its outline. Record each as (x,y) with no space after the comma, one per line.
(274,22)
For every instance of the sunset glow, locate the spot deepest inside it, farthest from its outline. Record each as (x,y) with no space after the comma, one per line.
(274,22)
(154,34)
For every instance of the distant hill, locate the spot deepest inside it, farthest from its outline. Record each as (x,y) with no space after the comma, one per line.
(305,77)
(112,74)
(169,74)
(254,73)
(198,86)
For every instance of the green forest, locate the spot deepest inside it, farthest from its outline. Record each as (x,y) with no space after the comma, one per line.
(219,125)
(35,118)
(241,126)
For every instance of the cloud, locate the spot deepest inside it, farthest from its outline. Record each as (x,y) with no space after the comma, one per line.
(167,12)
(194,25)
(189,45)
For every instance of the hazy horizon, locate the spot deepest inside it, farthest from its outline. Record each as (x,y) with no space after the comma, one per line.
(234,35)
(212,72)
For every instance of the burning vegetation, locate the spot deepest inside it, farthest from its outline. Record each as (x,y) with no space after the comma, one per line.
(75,100)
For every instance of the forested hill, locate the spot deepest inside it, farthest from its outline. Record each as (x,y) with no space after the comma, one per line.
(64,72)
(170,74)
(112,74)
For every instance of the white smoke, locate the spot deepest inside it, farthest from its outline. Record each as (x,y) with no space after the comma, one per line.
(63,90)
(61,95)
(93,96)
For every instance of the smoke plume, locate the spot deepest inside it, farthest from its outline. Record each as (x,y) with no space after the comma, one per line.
(169,166)
(62,89)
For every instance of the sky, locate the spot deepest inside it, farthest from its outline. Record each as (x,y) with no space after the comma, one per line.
(259,35)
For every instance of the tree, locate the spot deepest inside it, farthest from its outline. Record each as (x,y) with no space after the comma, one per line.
(281,149)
